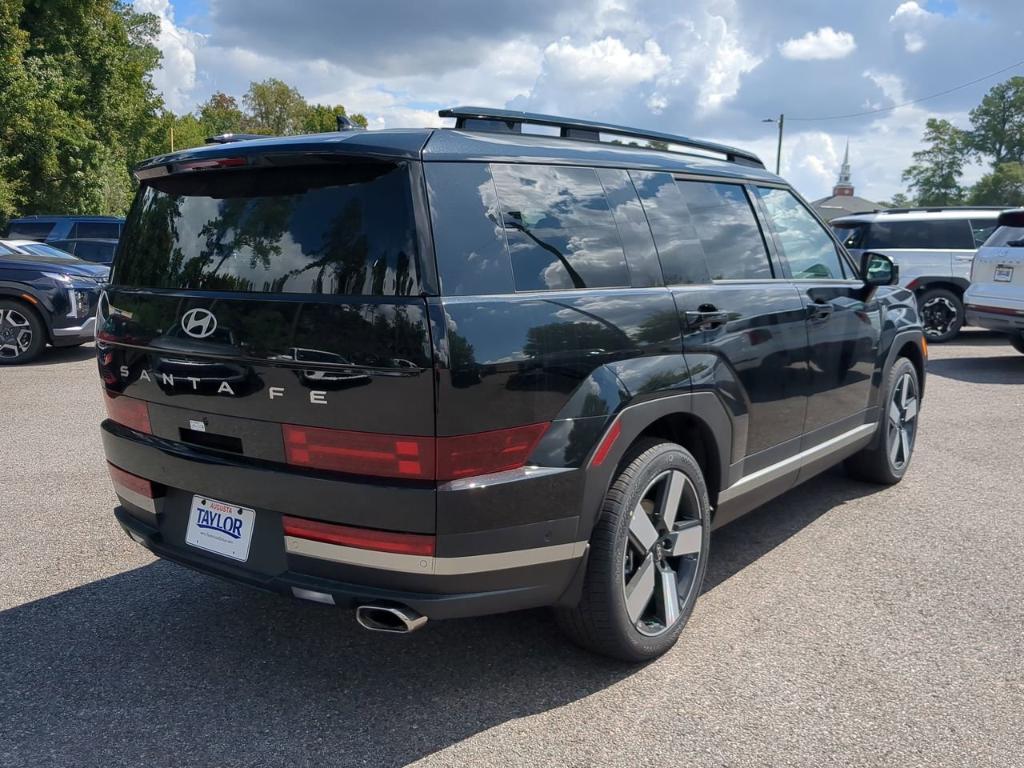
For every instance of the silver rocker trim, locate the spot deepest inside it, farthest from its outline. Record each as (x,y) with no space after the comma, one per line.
(764,476)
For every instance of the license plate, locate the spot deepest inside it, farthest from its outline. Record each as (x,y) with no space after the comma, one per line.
(219,527)
(1003,275)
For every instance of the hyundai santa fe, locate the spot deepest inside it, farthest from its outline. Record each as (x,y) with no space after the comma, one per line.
(518,362)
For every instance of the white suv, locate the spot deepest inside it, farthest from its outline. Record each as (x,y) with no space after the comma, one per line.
(934,248)
(995,299)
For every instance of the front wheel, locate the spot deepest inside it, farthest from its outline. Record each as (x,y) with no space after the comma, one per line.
(648,555)
(886,460)
(942,314)
(22,333)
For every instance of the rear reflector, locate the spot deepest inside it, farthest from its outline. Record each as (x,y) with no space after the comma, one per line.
(410,457)
(360,538)
(128,411)
(133,483)
(359,453)
(606,444)
(486,452)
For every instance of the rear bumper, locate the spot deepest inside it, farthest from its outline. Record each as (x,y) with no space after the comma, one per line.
(1005,319)
(503,568)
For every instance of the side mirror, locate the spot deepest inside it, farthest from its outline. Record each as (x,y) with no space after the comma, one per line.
(878,269)
(1011,218)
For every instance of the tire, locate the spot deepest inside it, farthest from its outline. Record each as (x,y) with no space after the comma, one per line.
(632,628)
(882,462)
(22,333)
(1017,340)
(942,314)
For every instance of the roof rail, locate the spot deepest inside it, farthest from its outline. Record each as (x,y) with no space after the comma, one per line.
(511,121)
(940,208)
(228,138)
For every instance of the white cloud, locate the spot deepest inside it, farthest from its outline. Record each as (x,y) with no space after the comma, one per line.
(605,63)
(826,43)
(913,19)
(176,77)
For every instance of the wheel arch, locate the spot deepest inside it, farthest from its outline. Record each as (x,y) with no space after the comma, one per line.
(957,285)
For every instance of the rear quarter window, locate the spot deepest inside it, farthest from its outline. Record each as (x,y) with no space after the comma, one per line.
(346,228)
(29,230)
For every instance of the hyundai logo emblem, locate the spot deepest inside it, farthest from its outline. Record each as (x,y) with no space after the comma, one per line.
(199,323)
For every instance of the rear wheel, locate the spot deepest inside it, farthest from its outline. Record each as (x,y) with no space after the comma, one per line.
(1017,340)
(942,314)
(22,334)
(648,555)
(887,458)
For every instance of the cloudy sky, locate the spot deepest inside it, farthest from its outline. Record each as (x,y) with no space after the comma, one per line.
(705,68)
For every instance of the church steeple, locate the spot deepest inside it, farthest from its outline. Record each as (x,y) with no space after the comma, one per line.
(843,187)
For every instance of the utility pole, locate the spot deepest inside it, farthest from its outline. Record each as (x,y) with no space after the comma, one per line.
(172,138)
(781,120)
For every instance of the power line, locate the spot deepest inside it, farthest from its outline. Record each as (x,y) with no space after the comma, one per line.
(912,101)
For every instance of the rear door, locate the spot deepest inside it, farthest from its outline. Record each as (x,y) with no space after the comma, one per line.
(744,333)
(244,300)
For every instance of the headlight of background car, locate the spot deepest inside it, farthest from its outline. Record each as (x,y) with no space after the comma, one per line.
(78,303)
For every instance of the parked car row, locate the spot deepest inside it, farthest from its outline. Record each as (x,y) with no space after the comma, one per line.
(90,238)
(47,296)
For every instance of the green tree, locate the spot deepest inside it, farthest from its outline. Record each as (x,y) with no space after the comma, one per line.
(1003,186)
(998,123)
(934,178)
(322,118)
(221,114)
(272,106)
(78,103)
(899,200)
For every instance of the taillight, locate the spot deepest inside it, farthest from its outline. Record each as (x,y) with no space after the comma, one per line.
(361,538)
(486,452)
(410,457)
(359,453)
(133,483)
(204,165)
(128,411)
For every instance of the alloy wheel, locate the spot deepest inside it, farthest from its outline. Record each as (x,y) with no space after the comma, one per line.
(662,552)
(938,315)
(15,334)
(902,424)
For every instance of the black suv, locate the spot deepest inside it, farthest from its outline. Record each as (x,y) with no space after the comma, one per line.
(45,298)
(442,373)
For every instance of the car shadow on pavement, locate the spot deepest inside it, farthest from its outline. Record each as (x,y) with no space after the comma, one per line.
(1001,369)
(163,666)
(59,355)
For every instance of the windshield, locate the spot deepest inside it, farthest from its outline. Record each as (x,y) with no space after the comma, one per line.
(851,234)
(41,249)
(330,229)
(1006,236)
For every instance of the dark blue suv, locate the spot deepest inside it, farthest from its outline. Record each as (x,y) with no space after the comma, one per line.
(90,238)
(435,373)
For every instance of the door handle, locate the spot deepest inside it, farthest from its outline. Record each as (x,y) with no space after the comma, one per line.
(819,310)
(705,318)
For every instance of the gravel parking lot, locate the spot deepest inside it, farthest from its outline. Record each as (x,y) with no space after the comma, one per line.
(841,625)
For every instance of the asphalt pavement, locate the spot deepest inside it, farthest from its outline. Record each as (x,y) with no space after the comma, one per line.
(842,624)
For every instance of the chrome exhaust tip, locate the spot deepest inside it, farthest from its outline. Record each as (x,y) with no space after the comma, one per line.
(389,618)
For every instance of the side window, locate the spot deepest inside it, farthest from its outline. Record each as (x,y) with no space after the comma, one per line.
(95,230)
(29,230)
(472,257)
(808,249)
(679,247)
(644,269)
(728,230)
(559,228)
(923,234)
(91,251)
(981,230)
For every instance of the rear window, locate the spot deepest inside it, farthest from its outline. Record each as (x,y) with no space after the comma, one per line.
(935,234)
(334,229)
(29,230)
(1005,236)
